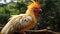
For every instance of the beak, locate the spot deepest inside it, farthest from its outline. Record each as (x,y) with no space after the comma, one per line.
(41,10)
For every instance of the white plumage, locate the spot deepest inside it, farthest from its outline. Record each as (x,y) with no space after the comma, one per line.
(18,22)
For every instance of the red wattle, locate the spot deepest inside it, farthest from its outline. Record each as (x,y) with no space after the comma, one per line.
(36,14)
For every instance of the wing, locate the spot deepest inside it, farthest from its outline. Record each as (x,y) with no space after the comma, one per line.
(16,23)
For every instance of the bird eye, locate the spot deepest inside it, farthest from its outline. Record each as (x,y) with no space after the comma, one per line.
(35,9)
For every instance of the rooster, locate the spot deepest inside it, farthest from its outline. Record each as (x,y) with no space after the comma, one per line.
(23,22)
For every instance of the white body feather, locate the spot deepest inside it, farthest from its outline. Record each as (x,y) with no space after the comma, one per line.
(16,23)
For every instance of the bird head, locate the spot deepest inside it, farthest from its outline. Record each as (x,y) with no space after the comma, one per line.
(35,5)
(34,8)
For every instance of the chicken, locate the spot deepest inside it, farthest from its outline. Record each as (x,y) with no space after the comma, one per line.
(23,22)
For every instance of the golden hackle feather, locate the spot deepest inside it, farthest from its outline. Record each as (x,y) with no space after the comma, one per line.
(31,8)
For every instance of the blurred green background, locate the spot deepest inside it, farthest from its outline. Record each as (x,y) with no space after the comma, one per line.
(49,17)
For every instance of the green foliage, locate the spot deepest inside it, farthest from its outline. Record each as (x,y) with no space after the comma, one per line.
(10,9)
